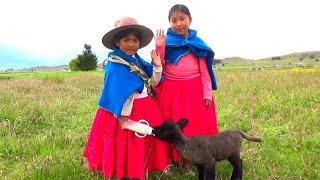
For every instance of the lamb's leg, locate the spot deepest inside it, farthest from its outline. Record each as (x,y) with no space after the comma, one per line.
(210,171)
(236,163)
(200,172)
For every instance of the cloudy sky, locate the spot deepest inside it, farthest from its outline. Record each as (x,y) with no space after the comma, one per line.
(43,32)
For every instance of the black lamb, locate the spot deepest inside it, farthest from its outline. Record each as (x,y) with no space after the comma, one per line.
(205,151)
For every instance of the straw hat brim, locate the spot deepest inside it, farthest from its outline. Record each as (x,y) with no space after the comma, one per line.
(108,39)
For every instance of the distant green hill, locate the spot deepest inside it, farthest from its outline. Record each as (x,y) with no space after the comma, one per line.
(301,55)
(301,59)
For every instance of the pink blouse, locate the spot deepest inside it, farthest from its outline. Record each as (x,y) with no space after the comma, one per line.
(188,67)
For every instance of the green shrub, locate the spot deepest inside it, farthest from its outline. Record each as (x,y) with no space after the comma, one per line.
(86,61)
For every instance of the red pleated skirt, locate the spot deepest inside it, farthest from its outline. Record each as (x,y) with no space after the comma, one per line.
(184,99)
(119,153)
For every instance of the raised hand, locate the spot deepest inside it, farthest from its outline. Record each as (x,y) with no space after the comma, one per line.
(159,37)
(156,61)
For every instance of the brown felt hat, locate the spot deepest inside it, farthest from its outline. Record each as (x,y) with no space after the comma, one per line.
(125,23)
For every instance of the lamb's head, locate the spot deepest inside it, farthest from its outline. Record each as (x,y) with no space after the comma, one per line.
(169,131)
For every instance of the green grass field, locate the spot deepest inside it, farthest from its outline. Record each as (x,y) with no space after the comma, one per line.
(45,119)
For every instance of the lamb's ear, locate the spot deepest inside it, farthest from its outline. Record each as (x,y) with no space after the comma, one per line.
(182,123)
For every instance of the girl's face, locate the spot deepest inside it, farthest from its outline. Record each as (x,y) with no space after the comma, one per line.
(129,44)
(180,23)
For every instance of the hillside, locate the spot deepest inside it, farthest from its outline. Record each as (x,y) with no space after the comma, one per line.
(302,59)
(300,55)
(38,69)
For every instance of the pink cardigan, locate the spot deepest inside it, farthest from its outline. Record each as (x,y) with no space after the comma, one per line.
(188,67)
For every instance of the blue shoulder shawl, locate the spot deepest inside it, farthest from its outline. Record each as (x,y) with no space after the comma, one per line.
(119,83)
(178,46)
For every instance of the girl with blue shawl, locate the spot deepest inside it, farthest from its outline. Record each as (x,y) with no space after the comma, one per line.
(188,77)
(117,152)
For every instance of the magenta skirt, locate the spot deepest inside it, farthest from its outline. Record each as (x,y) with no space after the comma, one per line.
(119,153)
(184,99)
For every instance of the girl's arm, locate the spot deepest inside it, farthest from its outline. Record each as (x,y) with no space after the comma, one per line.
(160,44)
(157,68)
(206,81)
(155,78)
(127,106)
(156,75)
(126,110)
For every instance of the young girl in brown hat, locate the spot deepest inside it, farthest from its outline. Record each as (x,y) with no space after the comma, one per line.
(115,151)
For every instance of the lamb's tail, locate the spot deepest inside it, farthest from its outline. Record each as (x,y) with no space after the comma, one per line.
(250,138)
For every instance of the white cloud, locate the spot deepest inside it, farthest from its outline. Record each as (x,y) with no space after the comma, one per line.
(247,28)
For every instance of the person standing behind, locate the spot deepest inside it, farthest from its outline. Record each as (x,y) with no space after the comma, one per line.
(111,149)
(188,78)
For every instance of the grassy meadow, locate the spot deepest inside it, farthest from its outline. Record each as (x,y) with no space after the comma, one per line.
(45,119)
